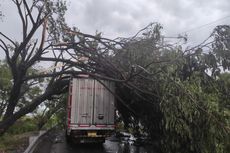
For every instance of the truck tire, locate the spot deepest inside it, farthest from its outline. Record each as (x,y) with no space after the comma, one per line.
(68,138)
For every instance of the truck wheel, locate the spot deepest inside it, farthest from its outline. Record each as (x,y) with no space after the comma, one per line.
(68,138)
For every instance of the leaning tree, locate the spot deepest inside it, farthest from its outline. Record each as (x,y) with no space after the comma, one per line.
(178,96)
(41,23)
(47,39)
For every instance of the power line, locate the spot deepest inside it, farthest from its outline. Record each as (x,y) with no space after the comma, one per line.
(204,25)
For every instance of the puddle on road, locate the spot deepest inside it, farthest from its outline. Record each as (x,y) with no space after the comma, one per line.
(110,146)
(125,147)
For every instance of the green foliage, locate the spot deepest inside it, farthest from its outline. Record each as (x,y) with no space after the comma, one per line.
(221,47)
(26,124)
(59,115)
(16,138)
(180,97)
(51,113)
(120,127)
(192,118)
(5,85)
(5,76)
(15,143)
(56,21)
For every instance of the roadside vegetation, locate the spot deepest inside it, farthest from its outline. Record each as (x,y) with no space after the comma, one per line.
(16,139)
(177,94)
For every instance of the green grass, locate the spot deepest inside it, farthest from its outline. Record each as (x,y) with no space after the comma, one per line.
(16,139)
(11,142)
(26,124)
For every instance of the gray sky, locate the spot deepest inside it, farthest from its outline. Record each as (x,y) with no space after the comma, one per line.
(123,18)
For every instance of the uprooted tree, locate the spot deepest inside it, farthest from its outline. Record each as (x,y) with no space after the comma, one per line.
(179,96)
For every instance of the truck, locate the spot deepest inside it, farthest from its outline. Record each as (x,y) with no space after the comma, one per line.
(90,110)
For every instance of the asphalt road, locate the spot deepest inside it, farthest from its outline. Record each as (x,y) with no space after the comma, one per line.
(109,146)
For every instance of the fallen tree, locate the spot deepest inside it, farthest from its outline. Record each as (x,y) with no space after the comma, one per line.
(178,95)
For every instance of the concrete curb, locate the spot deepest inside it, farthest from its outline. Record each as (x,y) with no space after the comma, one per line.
(35,140)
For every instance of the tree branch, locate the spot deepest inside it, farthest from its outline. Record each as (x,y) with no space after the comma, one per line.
(8,39)
(29,12)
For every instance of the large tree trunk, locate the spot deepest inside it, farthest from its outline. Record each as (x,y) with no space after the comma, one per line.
(18,73)
(13,100)
(6,123)
(57,87)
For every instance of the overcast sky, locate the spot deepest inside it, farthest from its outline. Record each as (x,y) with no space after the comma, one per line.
(122,18)
(125,17)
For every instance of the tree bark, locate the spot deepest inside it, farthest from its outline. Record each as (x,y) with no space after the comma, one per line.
(12,102)
(56,88)
(6,123)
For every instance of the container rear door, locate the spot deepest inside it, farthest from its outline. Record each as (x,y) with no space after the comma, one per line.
(103,103)
(82,104)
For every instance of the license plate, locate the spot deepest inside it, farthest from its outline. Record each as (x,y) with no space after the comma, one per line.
(92,134)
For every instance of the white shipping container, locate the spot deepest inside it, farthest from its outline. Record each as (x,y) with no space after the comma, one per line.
(90,105)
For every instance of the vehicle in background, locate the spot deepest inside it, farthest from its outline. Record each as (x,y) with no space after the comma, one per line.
(90,110)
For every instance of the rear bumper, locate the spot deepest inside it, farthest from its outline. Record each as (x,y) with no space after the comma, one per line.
(91,133)
(90,127)
(88,140)
(79,130)
(89,136)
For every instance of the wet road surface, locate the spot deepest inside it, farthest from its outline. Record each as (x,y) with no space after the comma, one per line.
(109,146)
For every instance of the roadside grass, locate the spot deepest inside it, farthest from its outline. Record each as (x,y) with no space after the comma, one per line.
(16,139)
(15,143)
